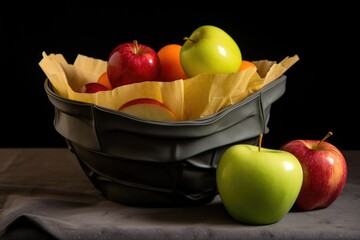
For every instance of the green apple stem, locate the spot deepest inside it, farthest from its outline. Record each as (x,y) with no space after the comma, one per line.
(260,141)
(322,140)
(186,38)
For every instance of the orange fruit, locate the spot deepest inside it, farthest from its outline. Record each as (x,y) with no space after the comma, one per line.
(104,80)
(245,64)
(171,68)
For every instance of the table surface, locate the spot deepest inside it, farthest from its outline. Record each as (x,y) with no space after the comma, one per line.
(45,195)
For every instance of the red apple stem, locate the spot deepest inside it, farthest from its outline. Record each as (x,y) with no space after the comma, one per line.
(136,45)
(260,141)
(322,140)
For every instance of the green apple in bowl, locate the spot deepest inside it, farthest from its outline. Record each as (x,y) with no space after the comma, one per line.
(257,185)
(210,49)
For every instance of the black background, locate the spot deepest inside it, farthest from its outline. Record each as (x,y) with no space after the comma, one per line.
(321,90)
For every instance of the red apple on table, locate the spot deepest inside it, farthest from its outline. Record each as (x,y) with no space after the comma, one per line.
(324,169)
(148,108)
(93,87)
(132,63)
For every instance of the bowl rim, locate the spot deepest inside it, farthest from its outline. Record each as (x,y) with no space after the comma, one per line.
(200,121)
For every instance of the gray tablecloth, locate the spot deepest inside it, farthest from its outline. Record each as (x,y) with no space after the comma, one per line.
(45,195)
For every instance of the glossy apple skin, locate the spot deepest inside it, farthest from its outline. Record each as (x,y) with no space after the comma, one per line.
(210,49)
(132,63)
(93,87)
(258,187)
(325,173)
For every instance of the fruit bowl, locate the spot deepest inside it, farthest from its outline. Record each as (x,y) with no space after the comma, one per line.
(139,162)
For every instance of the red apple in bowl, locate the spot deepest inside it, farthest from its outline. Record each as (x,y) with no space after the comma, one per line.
(324,169)
(93,87)
(132,63)
(148,108)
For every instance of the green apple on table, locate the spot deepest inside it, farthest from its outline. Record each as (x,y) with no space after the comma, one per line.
(258,185)
(209,49)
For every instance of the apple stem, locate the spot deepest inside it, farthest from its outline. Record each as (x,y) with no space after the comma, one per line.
(260,141)
(186,38)
(322,140)
(136,45)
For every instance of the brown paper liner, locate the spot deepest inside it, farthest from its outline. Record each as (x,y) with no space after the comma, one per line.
(189,99)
